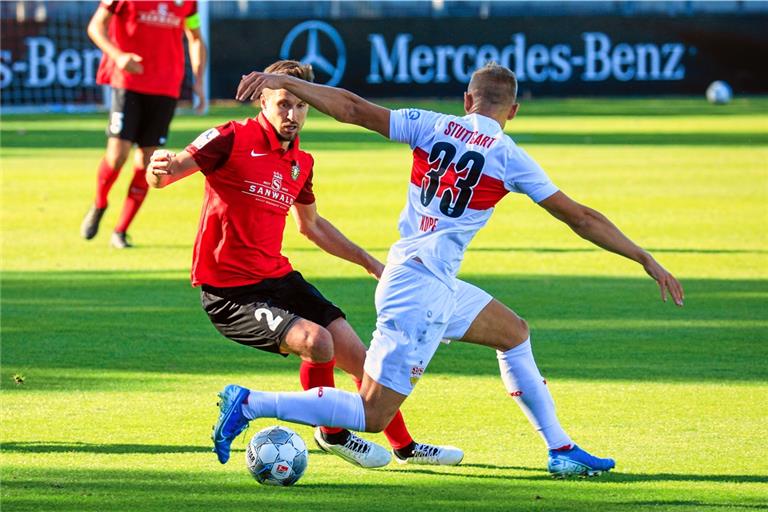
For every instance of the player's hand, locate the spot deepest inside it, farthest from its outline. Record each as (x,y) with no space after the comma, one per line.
(161,163)
(130,63)
(202,102)
(375,268)
(251,85)
(666,281)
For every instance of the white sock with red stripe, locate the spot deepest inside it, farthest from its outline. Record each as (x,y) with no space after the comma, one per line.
(317,406)
(525,384)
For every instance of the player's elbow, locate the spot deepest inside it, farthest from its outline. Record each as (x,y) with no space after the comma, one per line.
(309,229)
(97,27)
(579,220)
(92,30)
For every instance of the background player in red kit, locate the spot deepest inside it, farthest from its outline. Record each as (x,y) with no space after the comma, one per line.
(255,173)
(143,61)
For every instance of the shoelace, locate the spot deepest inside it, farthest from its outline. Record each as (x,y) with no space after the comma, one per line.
(357,444)
(426,451)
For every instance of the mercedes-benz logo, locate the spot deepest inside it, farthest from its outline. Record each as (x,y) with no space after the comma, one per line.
(314,28)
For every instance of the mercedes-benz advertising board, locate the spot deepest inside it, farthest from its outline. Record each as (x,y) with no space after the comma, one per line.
(551,55)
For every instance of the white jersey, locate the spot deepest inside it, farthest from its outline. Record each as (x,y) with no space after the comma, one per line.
(462,167)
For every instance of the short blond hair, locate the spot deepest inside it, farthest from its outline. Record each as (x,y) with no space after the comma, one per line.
(292,68)
(493,84)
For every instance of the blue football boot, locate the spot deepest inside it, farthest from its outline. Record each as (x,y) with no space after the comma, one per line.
(576,462)
(231,420)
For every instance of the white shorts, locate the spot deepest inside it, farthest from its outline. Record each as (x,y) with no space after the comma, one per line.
(415,311)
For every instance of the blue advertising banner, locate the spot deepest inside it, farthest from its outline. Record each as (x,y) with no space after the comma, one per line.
(434,57)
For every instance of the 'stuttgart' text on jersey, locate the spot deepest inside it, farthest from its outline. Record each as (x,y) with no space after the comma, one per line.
(462,167)
(250,184)
(154,31)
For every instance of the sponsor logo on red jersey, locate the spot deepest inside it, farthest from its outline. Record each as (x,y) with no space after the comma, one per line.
(160,17)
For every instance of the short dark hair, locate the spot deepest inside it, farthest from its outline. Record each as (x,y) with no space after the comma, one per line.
(292,68)
(493,84)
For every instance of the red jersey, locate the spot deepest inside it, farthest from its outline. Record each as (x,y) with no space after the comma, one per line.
(250,184)
(154,31)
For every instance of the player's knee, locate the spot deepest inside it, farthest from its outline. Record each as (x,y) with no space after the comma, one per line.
(318,344)
(517,332)
(142,156)
(115,159)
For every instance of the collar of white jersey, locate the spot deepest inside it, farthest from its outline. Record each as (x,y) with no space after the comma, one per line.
(486,119)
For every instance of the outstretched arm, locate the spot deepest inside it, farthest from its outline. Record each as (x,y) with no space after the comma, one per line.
(595,227)
(340,104)
(325,235)
(166,167)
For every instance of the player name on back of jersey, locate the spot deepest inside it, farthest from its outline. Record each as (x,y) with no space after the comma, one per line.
(468,136)
(271,193)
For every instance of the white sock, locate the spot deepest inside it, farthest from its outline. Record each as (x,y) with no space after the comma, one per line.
(526,385)
(329,407)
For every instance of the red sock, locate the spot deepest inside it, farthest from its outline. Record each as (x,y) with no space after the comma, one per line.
(136,194)
(105,178)
(396,432)
(314,375)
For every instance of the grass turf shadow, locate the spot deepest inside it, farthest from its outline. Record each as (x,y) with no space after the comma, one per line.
(133,489)
(615,328)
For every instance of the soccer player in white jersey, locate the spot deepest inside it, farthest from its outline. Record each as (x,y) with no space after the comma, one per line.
(462,166)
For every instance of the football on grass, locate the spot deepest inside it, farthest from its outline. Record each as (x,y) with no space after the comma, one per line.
(276,456)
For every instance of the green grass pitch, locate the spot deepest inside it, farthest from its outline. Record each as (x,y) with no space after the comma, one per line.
(121,366)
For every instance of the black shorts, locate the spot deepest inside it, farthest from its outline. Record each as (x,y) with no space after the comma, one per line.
(259,315)
(140,118)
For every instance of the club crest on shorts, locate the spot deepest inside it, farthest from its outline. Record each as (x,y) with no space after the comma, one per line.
(416,373)
(295,170)
(277,180)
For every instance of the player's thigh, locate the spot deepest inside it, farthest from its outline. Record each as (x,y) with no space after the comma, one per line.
(297,295)
(470,301)
(249,322)
(125,115)
(348,348)
(413,310)
(496,326)
(156,115)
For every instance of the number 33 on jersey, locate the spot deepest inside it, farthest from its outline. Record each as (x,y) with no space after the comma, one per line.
(462,167)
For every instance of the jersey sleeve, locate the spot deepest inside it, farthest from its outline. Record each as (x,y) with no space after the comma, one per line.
(113,6)
(306,195)
(211,149)
(525,176)
(412,126)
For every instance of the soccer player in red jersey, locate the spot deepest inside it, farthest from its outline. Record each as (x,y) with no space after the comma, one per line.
(255,173)
(143,62)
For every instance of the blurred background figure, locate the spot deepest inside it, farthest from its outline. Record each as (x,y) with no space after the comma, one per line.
(143,62)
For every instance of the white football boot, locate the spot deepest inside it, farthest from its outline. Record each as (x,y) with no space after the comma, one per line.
(433,455)
(356,450)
